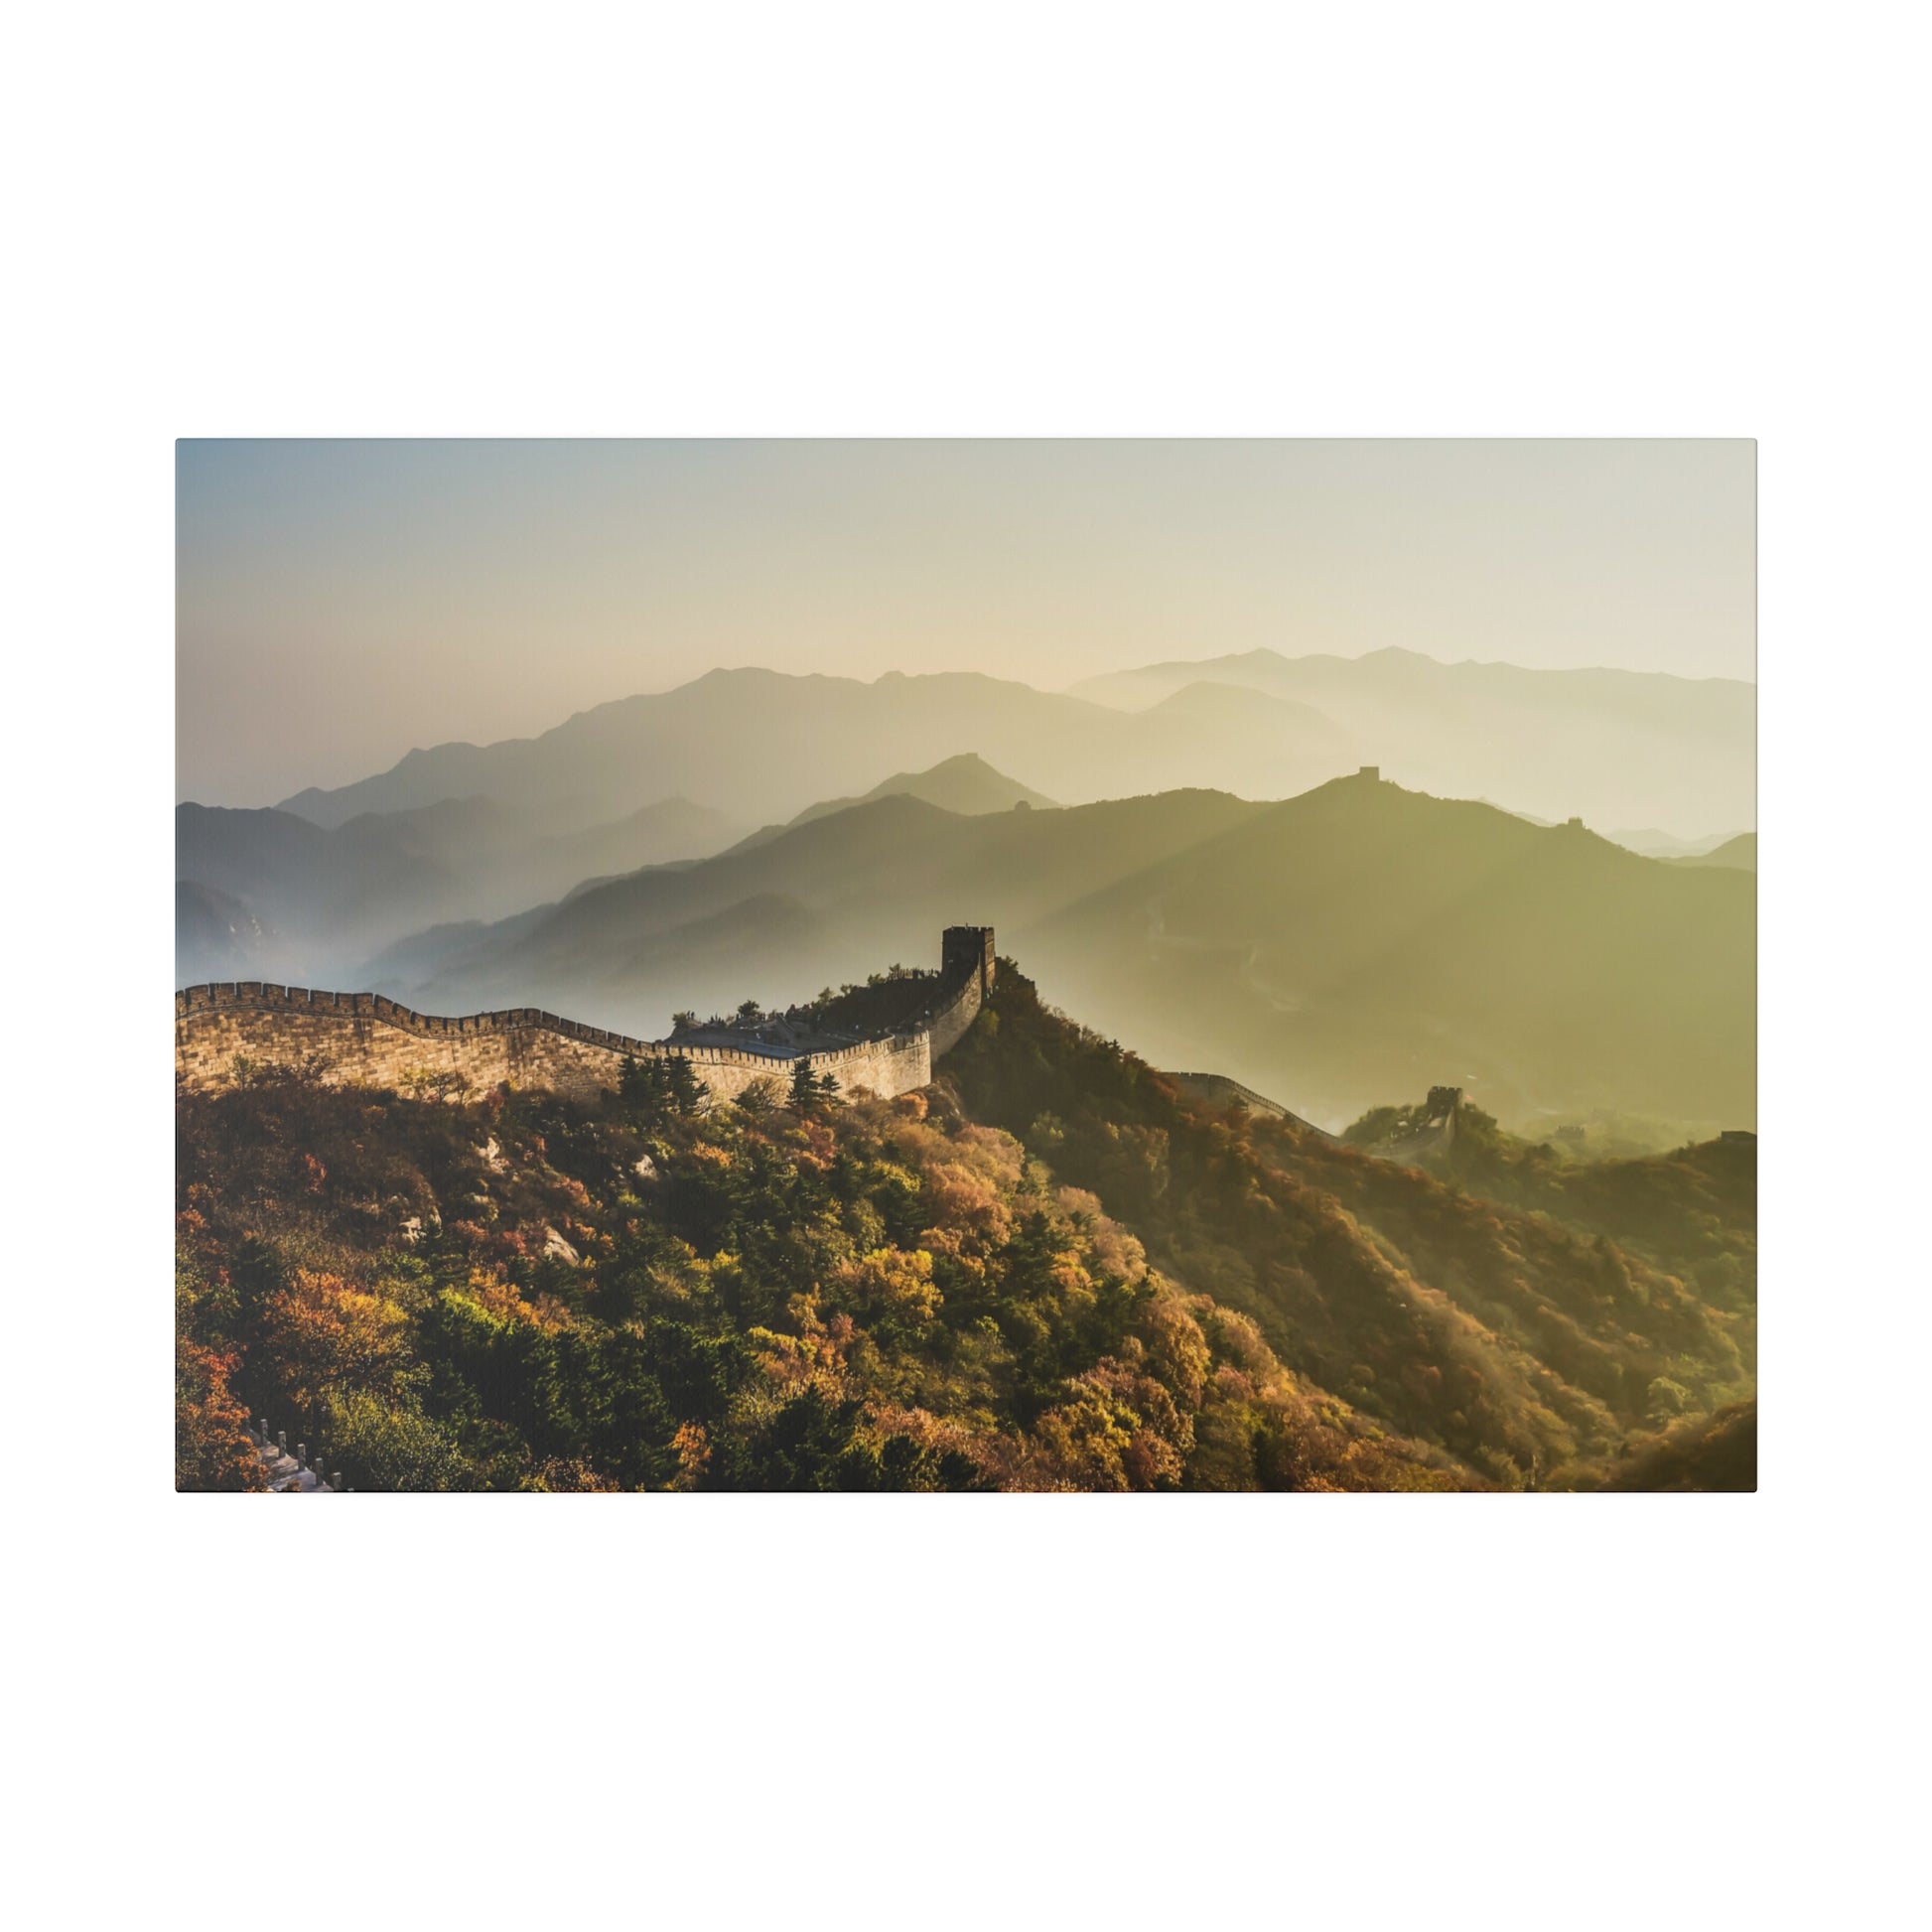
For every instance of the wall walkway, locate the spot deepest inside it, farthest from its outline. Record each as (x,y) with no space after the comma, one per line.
(368,1038)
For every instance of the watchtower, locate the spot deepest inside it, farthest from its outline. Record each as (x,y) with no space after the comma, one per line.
(965,951)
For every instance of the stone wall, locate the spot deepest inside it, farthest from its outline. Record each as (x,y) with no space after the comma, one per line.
(365,1038)
(966,961)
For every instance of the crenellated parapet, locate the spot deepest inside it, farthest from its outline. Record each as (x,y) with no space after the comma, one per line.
(258,996)
(368,1039)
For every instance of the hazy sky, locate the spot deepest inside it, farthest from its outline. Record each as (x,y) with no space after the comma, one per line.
(339,602)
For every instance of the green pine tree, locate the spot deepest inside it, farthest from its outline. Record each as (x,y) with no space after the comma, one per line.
(804,1086)
(686,1091)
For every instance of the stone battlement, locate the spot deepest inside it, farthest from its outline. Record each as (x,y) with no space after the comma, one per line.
(368,1039)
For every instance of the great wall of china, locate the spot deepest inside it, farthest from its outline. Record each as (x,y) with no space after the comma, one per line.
(368,1038)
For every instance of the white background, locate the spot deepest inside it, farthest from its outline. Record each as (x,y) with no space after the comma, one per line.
(1039,220)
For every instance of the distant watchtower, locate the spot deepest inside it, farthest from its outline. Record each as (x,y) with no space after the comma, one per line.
(1373,772)
(967,950)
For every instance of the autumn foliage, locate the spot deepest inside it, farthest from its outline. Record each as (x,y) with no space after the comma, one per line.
(522,1293)
(1529,1316)
(1047,1271)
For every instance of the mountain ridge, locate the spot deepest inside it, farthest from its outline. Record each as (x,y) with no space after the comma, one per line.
(1355,940)
(321,898)
(1556,742)
(965,783)
(1617,747)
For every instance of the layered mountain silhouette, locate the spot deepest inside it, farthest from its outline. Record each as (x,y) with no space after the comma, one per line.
(284,896)
(965,785)
(1740,852)
(1328,950)
(219,937)
(1615,747)
(764,746)
(879,879)
(1353,940)
(1363,939)
(1654,843)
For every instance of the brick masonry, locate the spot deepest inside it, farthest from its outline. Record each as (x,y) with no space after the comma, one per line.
(366,1039)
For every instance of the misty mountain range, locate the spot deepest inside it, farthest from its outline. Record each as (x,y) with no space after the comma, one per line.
(966,783)
(297,892)
(1555,743)
(1617,747)
(1740,853)
(1346,942)
(764,746)
(1354,941)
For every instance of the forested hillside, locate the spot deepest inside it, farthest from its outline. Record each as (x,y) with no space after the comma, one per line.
(1691,1212)
(1047,1271)
(523,1295)
(1536,1342)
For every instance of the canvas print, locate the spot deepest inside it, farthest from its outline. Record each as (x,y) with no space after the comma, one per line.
(1140,966)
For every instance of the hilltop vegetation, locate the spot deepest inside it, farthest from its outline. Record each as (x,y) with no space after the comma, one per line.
(525,1294)
(1527,1341)
(1049,1270)
(1691,1212)
(1699,1453)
